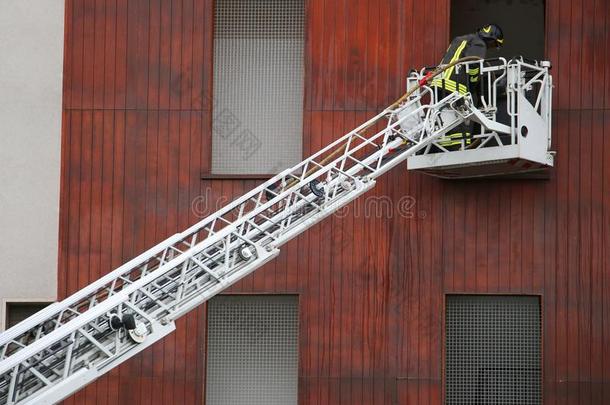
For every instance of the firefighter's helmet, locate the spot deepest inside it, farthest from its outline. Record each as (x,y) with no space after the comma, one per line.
(492,32)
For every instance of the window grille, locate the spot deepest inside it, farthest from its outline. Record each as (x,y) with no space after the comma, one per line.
(257,121)
(493,350)
(252,350)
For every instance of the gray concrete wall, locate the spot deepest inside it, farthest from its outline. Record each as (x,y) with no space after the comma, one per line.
(31,60)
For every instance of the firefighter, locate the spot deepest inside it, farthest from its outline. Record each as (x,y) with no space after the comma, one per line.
(475,44)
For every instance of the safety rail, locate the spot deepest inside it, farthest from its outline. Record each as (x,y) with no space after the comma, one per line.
(508,134)
(502,82)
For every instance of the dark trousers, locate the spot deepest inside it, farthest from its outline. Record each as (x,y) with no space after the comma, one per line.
(453,138)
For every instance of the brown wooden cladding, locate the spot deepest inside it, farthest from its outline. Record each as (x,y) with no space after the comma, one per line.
(136,139)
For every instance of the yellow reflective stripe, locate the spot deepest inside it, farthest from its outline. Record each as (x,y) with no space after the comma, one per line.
(449,142)
(473,73)
(450,85)
(455,57)
(455,139)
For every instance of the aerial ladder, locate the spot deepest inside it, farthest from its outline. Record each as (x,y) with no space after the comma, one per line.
(69,344)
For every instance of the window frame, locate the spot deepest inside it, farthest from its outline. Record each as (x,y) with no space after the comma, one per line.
(8,301)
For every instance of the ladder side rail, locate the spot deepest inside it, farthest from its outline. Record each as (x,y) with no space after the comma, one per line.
(330,167)
(82,297)
(285,194)
(398,158)
(36,325)
(90,314)
(65,311)
(84,293)
(133,288)
(216,237)
(385,147)
(26,364)
(381,169)
(299,169)
(283,234)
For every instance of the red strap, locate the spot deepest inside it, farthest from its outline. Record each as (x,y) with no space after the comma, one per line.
(425,79)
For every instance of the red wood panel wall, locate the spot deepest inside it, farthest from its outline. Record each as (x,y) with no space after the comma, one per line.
(136,138)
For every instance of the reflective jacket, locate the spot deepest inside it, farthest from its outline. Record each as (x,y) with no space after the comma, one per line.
(457,80)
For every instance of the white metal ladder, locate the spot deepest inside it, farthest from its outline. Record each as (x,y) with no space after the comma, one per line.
(69,344)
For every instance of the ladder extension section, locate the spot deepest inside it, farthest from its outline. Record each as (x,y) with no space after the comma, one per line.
(69,344)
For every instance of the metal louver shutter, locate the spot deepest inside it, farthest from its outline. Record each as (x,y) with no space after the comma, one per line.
(493,350)
(258,86)
(252,350)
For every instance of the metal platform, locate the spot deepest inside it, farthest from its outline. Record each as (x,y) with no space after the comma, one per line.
(511,127)
(496,161)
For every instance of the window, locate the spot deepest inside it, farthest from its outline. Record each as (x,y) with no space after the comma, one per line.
(252,350)
(521,21)
(493,350)
(258,86)
(18,311)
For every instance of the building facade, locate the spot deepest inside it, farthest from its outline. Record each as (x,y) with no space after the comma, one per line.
(378,289)
(30,112)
